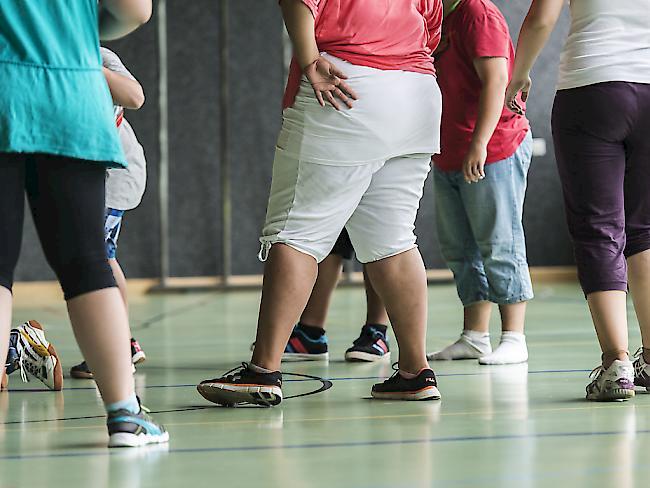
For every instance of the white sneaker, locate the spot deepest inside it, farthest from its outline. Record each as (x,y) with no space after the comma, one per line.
(463,348)
(37,357)
(612,384)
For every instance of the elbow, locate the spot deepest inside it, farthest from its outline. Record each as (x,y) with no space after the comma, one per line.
(136,100)
(143,15)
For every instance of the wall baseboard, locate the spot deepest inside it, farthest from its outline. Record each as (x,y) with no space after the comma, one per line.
(42,292)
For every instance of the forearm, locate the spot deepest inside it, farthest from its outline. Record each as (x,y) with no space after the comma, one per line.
(118,18)
(125,92)
(301,28)
(534,34)
(490,108)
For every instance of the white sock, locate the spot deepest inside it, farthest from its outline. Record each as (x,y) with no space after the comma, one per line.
(511,350)
(470,345)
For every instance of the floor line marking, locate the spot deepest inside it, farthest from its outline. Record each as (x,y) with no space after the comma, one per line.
(339,445)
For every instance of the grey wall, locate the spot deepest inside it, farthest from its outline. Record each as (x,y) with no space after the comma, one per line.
(257,82)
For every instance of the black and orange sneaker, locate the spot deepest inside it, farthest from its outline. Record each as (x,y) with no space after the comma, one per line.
(242,385)
(423,387)
(371,345)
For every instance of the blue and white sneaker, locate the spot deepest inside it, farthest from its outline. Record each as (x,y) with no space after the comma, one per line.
(126,429)
(303,347)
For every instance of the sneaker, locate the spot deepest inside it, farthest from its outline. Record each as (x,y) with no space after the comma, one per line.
(612,384)
(137,354)
(36,356)
(423,387)
(371,345)
(302,347)
(641,370)
(82,372)
(243,385)
(126,429)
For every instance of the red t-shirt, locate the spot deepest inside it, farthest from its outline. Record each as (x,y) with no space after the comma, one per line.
(382,34)
(475,29)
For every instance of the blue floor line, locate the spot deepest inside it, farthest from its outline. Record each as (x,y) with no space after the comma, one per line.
(330,445)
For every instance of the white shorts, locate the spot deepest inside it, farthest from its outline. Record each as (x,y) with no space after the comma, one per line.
(361,168)
(377,203)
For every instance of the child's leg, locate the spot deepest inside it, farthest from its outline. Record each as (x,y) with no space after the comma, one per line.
(12,184)
(462,255)
(591,159)
(329,273)
(375,309)
(75,249)
(495,211)
(381,230)
(401,282)
(120,279)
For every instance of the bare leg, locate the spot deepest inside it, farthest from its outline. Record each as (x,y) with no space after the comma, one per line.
(101,327)
(513,317)
(375,309)
(608,311)
(289,276)
(329,272)
(476,317)
(401,282)
(638,271)
(6,300)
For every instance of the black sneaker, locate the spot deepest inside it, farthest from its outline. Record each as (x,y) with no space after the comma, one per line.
(371,345)
(242,385)
(423,387)
(81,371)
(303,347)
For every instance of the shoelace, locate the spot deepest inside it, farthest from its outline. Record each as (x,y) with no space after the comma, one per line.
(368,333)
(639,364)
(596,372)
(235,373)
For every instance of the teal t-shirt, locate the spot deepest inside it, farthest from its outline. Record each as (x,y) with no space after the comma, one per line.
(53,95)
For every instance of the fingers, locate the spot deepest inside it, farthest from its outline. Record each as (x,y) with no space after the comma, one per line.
(330,98)
(319,97)
(346,89)
(343,97)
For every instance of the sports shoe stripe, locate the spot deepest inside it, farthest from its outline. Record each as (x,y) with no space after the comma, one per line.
(298,346)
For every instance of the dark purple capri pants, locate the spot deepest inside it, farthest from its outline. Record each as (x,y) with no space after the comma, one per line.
(602,146)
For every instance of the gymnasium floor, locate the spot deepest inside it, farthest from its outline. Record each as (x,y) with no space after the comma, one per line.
(521,426)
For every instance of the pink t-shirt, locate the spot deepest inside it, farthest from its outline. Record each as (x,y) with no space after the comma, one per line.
(382,34)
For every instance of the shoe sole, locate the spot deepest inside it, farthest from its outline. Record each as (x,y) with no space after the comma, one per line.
(81,375)
(428,393)
(58,370)
(138,357)
(500,363)
(364,357)
(125,439)
(291,356)
(614,395)
(230,395)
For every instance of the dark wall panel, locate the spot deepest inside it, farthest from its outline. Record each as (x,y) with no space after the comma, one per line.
(257,82)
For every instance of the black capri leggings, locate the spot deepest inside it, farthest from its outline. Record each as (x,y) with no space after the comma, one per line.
(66,197)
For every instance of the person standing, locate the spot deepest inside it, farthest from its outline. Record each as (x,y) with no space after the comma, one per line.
(480,182)
(601,122)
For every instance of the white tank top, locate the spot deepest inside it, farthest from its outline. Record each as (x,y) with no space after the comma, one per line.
(609,40)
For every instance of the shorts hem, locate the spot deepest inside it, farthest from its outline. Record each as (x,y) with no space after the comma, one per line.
(608,286)
(270,242)
(391,255)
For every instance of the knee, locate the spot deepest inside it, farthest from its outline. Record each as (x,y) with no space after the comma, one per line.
(83,274)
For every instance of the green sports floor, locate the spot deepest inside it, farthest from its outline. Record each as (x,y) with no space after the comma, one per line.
(513,426)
